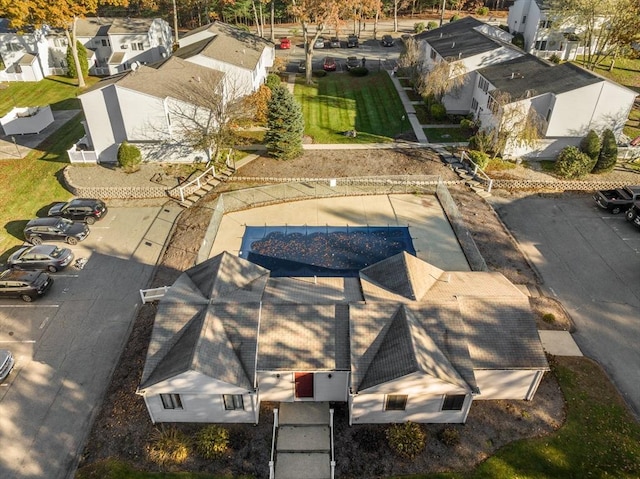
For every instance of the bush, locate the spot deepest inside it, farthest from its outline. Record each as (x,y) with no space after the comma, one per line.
(407,440)
(518,40)
(82,57)
(480,158)
(437,111)
(432,25)
(168,446)
(590,145)
(359,71)
(212,441)
(482,11)
(468,124)
(449,436)
(572,163)
(129,157)
(455,18)
(481,141)
(272,80)
(549,318)
(608,153)
(554,59)
(419,27)
(319,73)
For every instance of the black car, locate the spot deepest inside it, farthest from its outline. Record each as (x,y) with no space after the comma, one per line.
(387,41)
(60,229)
(41,257)
(352,62)
(352,41)
(26,285)
(87,210)
(633,215)
(302,66)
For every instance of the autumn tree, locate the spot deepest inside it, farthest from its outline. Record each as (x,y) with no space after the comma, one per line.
(441,78)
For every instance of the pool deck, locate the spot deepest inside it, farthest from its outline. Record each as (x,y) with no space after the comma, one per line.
(433,238)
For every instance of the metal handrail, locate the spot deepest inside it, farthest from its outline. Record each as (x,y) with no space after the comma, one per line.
(477,171)
(272,469)
(196,181)
(152,294)
(333,458)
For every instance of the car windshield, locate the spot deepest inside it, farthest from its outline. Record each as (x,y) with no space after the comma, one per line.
(64,224)
(56,253)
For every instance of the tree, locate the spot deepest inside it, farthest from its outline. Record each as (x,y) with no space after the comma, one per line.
(608,153)
(258,102)
(441,78)
(61,14)
(285,125)
(129,157)
(590,145)
(82,57)
(572,163)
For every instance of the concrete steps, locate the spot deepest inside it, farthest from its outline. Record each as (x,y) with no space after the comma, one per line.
(310,465)
(209,183)
(303,439)
(304,413)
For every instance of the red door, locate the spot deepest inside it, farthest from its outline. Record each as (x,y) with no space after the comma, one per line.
(304,385)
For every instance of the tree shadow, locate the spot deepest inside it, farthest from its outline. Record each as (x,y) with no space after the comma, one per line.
(16,228)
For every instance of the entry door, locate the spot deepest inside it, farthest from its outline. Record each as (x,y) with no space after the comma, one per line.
(304,385)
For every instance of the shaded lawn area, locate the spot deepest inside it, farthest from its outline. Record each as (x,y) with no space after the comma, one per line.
(632,127)
(59,92)
(33,182)
(340,102)
(626,71)
(447,134)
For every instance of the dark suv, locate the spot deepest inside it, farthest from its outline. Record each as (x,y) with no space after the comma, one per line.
(633,214)
(87,210)
(26,285)
(57,229)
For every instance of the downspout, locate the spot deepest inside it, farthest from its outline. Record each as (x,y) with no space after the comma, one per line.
(255,367)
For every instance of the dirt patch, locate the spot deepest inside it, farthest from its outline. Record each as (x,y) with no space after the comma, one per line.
(122,427)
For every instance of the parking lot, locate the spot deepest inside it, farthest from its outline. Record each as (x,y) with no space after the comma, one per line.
(67,343)
(590,260)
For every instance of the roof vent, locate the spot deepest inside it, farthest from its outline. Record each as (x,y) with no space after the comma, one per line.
(453,45)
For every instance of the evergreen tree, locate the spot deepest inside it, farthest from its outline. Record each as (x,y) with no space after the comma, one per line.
(573,163)
(84,63)
(608,153)
(285,125)
(590,145)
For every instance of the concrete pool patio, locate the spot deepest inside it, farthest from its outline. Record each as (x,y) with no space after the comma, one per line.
(431,233)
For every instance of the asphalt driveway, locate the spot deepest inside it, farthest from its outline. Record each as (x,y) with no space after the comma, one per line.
(67,343)
(590,260)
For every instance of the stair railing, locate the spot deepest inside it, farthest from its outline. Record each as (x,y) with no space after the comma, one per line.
(333,458)
(272,469)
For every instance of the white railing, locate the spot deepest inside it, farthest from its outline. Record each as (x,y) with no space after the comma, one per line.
(58,71)
(4,76)
(192,185)
(333,458)
(148,295)
(81,156)
(272,463)
(477,171)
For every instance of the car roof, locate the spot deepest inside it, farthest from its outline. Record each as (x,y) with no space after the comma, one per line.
(19,275)
(44,221)
(83,201)
(42,248)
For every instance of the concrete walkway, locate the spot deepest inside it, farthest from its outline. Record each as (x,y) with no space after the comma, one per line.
(410,109)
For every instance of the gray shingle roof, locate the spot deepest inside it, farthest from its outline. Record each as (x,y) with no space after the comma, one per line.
(458,39)
(530,76)
(103,26)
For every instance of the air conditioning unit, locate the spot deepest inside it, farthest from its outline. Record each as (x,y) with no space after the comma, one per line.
(124,47)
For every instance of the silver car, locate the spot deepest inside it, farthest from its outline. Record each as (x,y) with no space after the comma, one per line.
(6,363)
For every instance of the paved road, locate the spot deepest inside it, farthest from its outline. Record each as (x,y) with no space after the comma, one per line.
(68,342)
(591,261)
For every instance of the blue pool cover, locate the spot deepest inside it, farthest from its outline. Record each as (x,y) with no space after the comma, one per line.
(322,250)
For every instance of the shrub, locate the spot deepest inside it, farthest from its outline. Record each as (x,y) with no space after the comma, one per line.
(407,440)
(419,27)
(480,158)
(554,59)
(449,436)
(549,318)
(212,441)
(129,157)
(467,124)
(590,145)
(608,153)
(272,80)
(481,141)
(359,71)
(455,18)
(518,40)
(168,446)
(319,73)
(504,27)
(482,11)
(572,163)
(431,25)
(438,111)
(82,57)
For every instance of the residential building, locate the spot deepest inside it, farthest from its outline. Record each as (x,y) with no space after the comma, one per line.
(567,100)
(403,341)
(244,57)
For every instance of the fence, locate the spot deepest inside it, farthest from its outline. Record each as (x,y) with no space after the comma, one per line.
(81,156)
(148,295)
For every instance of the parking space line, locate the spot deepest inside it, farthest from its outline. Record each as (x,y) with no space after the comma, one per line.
(30,306)
(29,341)
(66,276)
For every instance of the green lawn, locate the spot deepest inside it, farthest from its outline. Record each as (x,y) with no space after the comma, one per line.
(341,102)
(447,135)
(59,92)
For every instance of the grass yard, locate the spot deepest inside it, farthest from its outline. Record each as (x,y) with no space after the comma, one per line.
(626,71)
(59,92)
(447,134)
(340,102)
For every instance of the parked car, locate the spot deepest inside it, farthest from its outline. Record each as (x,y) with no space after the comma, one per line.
(6,363)
(352,62)
(302,66)
(285,43)
(57,229)
(329,64)
(620,199)
(633,215)
(352,41)
(319,43)
(335,42)
(387,41)
(87,210)
(44,256)
(26,285)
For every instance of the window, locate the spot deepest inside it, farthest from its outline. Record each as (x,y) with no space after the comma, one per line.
(171,401)
(492,105)
(524,19)
(433,54)
(474,104)
(396,402)
(233,401)
(105,43)
(59,42)
(549,115)
(137,46)
(13,47)
(453,402)
(483,84)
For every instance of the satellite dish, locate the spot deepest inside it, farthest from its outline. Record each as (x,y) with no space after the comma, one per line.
(135,66)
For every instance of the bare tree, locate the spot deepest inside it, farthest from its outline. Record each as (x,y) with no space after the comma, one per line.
(441,78)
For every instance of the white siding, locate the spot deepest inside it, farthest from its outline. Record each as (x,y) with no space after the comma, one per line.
(104,121)
(144,116)
(506,384)
(238,81)
(280,386)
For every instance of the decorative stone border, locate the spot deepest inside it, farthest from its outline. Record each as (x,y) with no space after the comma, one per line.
(117,192)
